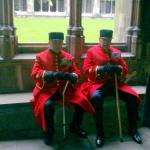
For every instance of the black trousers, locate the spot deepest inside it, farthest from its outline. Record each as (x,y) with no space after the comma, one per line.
(146,106)
(97,101)
(49,113)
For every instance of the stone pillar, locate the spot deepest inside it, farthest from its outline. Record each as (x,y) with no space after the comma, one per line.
(71,23)
(7,31)
(133,30)
(135,23)
(75,30)
(127,21)
(96,8)
(123,11)
(129,33)
(67,4)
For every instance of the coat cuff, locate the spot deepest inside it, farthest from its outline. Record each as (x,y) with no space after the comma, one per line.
(40,83)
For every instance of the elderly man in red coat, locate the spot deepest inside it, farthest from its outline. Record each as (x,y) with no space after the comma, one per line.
(52,69)
(102,62)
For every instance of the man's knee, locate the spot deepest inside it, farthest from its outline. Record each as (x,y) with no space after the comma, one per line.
(96,96)
(97,99)
(48,106)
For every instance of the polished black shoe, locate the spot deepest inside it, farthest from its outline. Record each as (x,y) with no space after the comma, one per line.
(136,137)
(48,139)
(99,141)
(78,130)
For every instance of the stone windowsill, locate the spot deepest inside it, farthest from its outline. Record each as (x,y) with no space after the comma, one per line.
(32,56)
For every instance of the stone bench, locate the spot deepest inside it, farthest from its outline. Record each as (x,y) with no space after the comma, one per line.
(24,98)
(17,120)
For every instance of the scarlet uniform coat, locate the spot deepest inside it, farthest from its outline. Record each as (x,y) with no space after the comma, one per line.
(96,57)
(48,61)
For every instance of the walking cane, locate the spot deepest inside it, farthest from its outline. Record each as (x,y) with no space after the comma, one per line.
(64,116)
(118,109)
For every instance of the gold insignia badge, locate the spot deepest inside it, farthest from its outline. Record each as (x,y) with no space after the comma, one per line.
(65,62)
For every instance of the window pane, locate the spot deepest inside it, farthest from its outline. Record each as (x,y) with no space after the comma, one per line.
(16,5)
(108,7)
(24,5)
(61,5)
(45,5)
(37,5)
(20,5)
(113,6)
(102,6)
(53,6)
(87,6)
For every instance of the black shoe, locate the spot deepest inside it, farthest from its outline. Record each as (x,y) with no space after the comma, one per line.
(99,141)
(77,130)
(136,137)
(48,139)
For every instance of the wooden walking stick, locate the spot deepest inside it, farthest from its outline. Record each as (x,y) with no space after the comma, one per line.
(118,109)
(64,115)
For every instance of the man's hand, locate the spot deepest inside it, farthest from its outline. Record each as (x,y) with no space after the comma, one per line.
(104,69)
(71,77)
(48,76)
(58,75)
(109,69)
(117,69)
(51,75)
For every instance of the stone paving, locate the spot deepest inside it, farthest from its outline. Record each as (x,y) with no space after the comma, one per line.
(75,143)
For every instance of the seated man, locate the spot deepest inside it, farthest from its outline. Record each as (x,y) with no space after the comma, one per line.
(102,62)
(146,106)
(52,69)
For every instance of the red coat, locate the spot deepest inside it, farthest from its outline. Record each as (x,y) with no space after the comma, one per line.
(47,61)
(96,57)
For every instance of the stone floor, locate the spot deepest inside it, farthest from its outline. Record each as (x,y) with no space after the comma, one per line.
(74,143)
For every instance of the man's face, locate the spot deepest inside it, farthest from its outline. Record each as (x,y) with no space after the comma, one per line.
(105,42)
(56,45)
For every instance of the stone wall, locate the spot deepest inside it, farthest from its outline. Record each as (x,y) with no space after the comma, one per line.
(15,74)
(16,60)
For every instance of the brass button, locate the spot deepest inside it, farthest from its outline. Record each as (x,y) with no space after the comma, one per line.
(37,76)
(98,75)
(90,70)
